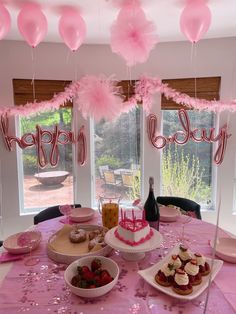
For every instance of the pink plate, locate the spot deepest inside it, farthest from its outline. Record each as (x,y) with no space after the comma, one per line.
(12,246)
(226,249)
(169,214)
(81,214)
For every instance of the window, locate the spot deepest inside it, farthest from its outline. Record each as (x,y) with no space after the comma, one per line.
(187,169)
(51,185)
(117,154)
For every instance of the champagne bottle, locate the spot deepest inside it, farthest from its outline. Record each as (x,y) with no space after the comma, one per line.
(151,208)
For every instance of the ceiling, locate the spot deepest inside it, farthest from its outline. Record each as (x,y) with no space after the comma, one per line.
(100,14)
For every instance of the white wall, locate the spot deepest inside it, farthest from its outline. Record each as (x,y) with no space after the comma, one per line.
(168,60)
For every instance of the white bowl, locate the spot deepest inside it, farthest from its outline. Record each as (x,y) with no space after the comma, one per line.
(11,245)
(226,249)
(107,264)
(168,213)
(82,214)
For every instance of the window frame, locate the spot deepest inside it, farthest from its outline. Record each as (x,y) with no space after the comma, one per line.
(204,88)
(23,92)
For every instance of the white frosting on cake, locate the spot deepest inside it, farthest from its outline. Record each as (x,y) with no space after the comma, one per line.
(133,231)
(167,271)
(175,261)
(201,260)
(133,237)
(181,279)
(191,269)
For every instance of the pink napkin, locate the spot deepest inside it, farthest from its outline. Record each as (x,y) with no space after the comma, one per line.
(7,257)
(66,221)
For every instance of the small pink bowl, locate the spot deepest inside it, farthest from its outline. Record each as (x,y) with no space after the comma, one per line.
(11,243)
(81,214)
(169,214)
(226,249)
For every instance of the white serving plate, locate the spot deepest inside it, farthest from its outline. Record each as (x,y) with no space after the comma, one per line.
(11,245)
(81,214)
(226,249)
(137,252)
(107,264)
(149,276)
(169,214)
(69,258)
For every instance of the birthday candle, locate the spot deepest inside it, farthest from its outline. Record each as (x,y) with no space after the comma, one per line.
(144,216)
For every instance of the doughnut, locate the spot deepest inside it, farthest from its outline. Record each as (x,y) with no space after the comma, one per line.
(78,235)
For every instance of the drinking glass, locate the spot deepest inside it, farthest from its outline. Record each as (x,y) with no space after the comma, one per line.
(108,206)
(184,220)
(66,211)
(27,239)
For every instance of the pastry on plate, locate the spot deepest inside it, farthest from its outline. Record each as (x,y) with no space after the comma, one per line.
(204,267)
(192,269)
(175,260)
(181,284)
(184,254)
(165,275)
(77,235)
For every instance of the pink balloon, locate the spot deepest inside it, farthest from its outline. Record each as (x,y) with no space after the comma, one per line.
(5,21)
(195,20)
(32,24)
(72,28)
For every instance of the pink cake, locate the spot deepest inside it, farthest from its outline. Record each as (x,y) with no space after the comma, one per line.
(133,231)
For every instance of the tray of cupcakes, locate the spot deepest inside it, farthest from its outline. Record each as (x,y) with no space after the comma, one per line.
(72,242)
(182,274)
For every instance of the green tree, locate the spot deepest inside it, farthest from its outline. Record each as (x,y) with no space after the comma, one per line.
(182,176)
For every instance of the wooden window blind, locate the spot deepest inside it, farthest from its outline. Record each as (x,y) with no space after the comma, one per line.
(204,88)
(44,90)
(128,88)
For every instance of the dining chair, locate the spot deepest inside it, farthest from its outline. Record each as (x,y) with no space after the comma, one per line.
(127,180)
(184,203)
(110,178)
(102,169)
(49,213)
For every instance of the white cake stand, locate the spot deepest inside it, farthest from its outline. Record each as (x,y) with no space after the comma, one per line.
(133,253)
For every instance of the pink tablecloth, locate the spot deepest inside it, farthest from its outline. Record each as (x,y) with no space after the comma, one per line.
(41,288)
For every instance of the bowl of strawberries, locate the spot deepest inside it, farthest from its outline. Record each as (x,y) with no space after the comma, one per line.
(91,276)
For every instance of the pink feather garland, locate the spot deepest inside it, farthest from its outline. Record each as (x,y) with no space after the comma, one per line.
(99,98)
(102,98)
(132,35)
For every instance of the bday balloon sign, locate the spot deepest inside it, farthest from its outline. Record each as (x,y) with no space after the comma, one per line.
(187,134)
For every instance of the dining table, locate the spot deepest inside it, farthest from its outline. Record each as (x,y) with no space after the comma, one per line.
(41,288)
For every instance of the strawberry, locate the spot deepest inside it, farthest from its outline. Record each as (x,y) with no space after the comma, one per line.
(96,264)
(105,278)
(92,286)
(85,269)
(88,275)
(97,280)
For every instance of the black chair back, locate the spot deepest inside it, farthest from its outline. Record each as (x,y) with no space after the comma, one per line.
(184,203)
(49,213)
